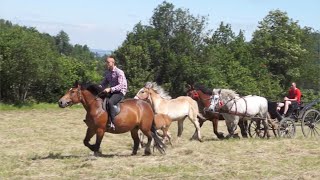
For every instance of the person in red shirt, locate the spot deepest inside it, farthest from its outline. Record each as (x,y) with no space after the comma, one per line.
(292,99)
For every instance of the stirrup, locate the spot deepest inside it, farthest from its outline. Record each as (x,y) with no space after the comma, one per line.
(111,126)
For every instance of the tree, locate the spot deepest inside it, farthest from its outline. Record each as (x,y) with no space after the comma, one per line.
(25,58)
(62,42)
(278,43)
(166,51)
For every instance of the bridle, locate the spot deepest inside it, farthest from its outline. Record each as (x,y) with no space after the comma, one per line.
(221,105)
(138,97)
(79,93)
(194,94)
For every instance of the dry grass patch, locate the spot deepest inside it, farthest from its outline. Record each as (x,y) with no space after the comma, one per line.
(47,144)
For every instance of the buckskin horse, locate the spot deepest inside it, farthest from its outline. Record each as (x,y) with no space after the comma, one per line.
(203,95)
(134,115)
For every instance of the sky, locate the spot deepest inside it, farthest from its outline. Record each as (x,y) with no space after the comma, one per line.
(103,24)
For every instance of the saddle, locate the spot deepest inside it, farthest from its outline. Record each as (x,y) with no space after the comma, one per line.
(116,107)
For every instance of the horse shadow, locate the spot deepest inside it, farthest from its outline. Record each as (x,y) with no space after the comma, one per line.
(52,155)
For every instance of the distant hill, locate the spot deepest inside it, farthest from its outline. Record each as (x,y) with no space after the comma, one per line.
(101,52)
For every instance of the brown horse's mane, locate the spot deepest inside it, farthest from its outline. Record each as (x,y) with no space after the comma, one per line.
(203,89)
(94,89)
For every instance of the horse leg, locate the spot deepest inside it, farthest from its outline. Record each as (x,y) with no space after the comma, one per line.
(90,133)
(231,129)
(234,127)
(147,150)
(180,128)
(136,140)
(215,122)
(99,133)
(266,127)
(243,124)
(141,137)
(195,135)
(196,124)
(166,136)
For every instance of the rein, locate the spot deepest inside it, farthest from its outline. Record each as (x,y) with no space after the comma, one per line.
(94,99)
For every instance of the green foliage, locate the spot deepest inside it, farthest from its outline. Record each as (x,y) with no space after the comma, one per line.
(174,49)
(278,41)
(34,66)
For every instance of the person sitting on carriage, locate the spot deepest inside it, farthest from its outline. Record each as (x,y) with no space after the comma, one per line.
(293,99)
(116,79)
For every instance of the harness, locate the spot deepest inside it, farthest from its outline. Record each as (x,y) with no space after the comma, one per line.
(223,107)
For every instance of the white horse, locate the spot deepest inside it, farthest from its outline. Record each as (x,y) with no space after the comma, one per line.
(177,109)
(232,107)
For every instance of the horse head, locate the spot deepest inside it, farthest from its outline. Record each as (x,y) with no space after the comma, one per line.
(142,94)
(152,89)
(76,94)
(215,100)
(220,98)
(191,92)
(72,96)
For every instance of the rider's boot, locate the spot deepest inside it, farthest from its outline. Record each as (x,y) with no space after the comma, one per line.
(111,118)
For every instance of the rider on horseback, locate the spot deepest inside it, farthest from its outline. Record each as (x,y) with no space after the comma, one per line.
(116,79)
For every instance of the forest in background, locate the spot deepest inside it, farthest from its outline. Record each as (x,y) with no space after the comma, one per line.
(175,48)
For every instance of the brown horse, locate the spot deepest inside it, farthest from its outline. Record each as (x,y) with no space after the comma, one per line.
(202,95)
(134,115)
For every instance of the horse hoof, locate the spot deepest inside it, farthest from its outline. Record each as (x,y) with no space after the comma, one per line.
(220,136)
(147,153)
(133,153)
(236,136)
(97,153)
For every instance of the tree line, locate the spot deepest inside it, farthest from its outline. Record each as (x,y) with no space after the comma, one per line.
(175,48)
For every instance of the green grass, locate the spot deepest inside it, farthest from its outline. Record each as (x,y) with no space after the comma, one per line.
(47,144)
(30,106)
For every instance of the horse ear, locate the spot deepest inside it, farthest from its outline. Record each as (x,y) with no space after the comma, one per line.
(76,83)
(148,85)
(188,86)
(219,91)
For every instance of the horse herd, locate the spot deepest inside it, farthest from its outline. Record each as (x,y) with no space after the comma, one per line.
(152,109)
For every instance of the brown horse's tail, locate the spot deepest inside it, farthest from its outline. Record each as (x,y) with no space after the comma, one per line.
(157,141)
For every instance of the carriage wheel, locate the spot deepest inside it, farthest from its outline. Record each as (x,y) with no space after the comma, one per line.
(287,128)
(310,123)
(255,131)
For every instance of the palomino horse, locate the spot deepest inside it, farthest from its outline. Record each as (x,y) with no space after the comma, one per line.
(202,95)
(233,107)
(134,115)
(177,109)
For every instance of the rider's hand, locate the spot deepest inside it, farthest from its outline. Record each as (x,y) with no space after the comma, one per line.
(107,90)
(286,99)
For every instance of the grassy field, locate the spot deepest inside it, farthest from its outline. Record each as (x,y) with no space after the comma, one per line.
(47,144)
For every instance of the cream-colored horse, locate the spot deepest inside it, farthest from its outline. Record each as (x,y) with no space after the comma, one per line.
(177,109)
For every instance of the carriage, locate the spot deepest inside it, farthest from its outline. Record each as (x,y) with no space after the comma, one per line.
(264,115)
(308,117)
